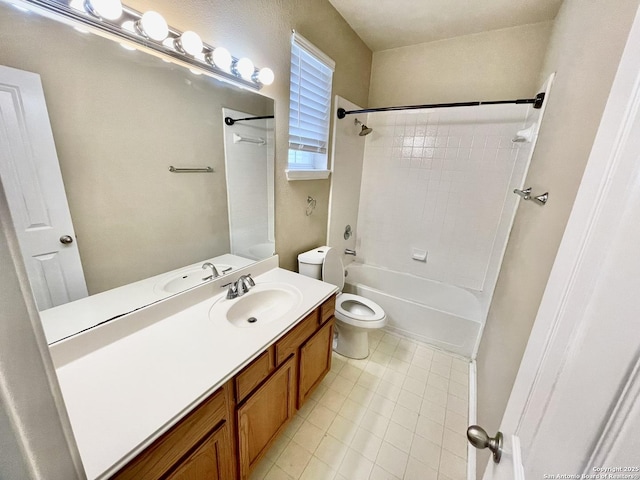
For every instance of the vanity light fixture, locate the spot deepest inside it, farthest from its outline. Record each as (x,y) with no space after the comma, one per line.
(189,42)
(104,9)
(265,76)
(243,67)
(221,58)
(150,32)
(152,25)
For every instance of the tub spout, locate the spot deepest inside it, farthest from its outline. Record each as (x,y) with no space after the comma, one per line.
(348,251)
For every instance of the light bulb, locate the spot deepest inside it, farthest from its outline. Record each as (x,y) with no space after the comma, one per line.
(195,72)
(222,59)
(266,76)
(127,47)
(153,25)
(130,26)
(189,42)
(107,9)
(245,68)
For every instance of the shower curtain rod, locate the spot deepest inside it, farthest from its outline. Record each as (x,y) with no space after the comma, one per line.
(230,121)
(537,103)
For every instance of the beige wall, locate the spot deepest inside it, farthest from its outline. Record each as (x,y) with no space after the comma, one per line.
(261,30)
(495,65)
(585,48)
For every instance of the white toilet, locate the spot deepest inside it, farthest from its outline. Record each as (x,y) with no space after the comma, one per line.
(355,315)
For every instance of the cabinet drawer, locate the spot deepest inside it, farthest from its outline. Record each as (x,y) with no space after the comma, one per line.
(292,340)
(169,449)
(254,374)
(327,309)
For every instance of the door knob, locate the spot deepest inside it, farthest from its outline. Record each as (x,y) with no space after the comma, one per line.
(479,438)
(66,239)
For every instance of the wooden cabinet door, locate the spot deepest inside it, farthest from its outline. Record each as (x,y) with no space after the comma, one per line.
(212,460)
(264,414)
(315,360)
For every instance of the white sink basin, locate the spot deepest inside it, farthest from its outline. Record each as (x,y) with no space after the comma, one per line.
(186,278)
(261,305)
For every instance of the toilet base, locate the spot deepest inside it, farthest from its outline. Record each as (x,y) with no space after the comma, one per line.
(352,342)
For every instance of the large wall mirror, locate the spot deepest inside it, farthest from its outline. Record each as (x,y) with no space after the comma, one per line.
(119,120)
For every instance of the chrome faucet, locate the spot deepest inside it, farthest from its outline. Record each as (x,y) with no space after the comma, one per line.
(214,271)
(240,286)
(348,251)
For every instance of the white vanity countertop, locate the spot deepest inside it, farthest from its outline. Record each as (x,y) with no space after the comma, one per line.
(124,394)
(73,317)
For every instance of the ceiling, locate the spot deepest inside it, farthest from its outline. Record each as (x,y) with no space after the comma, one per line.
(385,24)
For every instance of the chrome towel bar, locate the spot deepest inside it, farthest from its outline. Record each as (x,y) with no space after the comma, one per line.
(173,169)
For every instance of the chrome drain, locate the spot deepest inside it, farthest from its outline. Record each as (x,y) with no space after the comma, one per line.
(252,319)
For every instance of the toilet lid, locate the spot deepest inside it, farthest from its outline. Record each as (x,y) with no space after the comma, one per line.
(333,269)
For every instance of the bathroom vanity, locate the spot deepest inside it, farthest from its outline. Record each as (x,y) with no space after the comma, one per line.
(179,391)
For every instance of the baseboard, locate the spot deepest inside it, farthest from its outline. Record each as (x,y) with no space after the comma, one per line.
(473,414)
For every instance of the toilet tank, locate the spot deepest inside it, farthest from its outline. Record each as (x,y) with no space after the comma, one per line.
(310,263)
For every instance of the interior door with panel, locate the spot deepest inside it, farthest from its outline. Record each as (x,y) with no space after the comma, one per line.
(574,409)
(32,180)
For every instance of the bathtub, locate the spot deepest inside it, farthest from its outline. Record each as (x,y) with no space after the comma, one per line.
(442,315)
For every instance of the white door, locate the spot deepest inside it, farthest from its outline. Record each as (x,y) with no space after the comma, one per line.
(33,183)
(575,405)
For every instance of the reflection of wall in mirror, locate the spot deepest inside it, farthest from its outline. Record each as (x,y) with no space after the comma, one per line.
(248,149)
(119,119)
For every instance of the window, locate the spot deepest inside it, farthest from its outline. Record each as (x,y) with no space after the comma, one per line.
(310,107)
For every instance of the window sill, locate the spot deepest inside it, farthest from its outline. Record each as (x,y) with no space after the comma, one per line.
(307,174)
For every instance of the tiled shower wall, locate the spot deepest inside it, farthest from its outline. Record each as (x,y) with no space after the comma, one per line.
(441,181)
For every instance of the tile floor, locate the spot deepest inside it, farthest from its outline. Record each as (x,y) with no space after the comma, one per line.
(399,414)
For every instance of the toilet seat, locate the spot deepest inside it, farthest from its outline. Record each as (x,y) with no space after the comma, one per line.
(376,320)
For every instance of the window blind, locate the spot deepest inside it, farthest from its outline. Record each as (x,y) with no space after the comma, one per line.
(310,105)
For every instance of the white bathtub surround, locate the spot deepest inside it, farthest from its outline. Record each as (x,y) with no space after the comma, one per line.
(401,414)
(126,382)
(250,185)
(440,181)
(443,315)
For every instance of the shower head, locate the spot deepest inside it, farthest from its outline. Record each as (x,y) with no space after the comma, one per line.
(365,130)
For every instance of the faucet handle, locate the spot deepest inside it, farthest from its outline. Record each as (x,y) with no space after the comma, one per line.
(250,280)
(233,290)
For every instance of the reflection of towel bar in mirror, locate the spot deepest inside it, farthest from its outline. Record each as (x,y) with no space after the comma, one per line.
(240,139)
(191,170)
